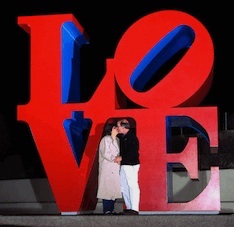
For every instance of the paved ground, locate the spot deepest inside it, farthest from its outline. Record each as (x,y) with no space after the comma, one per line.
(160,220)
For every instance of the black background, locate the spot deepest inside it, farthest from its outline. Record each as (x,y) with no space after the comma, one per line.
(104,22)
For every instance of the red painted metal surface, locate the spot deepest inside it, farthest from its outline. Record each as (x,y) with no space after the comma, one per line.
(177,94)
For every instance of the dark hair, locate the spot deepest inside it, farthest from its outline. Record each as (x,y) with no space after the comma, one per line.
(108,128)
(125,124)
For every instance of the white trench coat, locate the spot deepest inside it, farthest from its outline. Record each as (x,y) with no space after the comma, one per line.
(108,176)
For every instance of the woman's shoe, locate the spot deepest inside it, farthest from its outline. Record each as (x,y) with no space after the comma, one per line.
(108,213)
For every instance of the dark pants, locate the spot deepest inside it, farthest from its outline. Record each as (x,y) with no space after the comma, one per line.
(108,205)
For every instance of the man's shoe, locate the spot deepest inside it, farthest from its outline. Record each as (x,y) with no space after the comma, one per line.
(131,212)
(126,210)
(114,213)
(134,212)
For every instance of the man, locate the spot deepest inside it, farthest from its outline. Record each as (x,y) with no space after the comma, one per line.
(130,164)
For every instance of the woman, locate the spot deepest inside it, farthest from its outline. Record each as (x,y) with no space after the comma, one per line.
(109,166)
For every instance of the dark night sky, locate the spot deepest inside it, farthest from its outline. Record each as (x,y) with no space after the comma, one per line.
(105,23)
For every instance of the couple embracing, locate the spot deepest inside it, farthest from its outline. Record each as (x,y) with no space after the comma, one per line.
(119,165)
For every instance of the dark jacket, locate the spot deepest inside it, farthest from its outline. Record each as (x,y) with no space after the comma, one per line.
(129,148)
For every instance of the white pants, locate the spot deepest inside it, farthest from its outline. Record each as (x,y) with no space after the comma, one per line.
(129,186)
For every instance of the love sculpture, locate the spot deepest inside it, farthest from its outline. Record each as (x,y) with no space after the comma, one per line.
(67,131)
